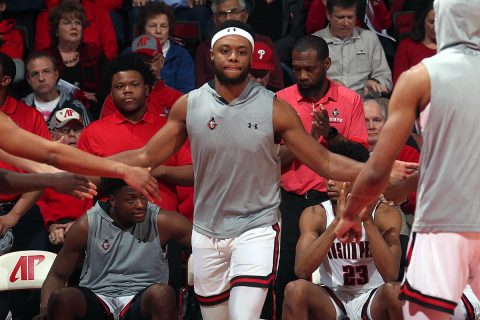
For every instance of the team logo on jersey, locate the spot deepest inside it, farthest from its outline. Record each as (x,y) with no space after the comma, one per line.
(105,245)
(212,124)
(252,125)
(335,114)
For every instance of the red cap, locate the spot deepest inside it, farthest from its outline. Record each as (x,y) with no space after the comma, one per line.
(147,45)
(262,57)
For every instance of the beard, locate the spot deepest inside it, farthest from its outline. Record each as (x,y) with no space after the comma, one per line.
(311,90)
(223,79)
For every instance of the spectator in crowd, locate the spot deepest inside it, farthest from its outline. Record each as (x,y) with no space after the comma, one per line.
(282,21)
(161,97)
(80,63)
(422,44)
(99,31)
(157,19)
(184,10)
(59,211)
(262,64)
(224,10)
(376,112)
(131,125)
(331,113)
(125,271)
(42,75)
(355,277)
(358,59)
(12,42)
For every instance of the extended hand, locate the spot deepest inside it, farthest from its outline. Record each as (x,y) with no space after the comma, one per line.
(140,179)
(349,227)
(320,123)
(74,185)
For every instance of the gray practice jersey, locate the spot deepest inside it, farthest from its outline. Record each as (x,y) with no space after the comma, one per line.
(236,161)
(450,160)
(122,262)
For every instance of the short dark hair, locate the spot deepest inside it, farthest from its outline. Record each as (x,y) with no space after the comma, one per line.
(67,7)
(128,62)
(110,186)
(151,10)
(41,54)
(311,42)
(350,149)
(8,66)
(234,24)
(345,4)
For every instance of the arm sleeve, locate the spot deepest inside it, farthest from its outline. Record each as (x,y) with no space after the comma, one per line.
(42,31)
(380,69)
(14,45)
(316,16)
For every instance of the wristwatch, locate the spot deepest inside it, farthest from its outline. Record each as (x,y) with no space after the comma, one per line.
(332,133)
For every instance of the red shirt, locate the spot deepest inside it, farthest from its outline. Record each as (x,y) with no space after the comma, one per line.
(27,118)
(55,206)
(114,134)
(99,32)
(159,101)
(408,54)
(409,154)
(13,43)
(185,194)
(346,114)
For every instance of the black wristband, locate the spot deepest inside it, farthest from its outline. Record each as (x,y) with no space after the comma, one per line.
(332,133)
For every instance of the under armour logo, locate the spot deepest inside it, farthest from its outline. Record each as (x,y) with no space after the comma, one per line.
(252,125)
(261,53)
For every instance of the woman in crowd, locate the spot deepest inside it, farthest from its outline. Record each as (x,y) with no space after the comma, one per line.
(157,19)
(422,43)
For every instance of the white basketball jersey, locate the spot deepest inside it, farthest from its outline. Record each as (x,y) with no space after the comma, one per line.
(349,266)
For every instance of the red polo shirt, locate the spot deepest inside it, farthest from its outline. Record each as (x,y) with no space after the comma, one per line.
(346,114)
(159,101)
(27,118)
(55,206)
(114,134)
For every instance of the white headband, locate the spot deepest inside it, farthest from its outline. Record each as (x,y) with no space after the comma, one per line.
(232,31)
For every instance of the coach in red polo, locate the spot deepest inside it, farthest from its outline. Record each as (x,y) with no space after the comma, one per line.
(331,113)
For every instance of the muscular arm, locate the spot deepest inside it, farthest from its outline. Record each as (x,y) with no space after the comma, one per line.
(326,164)
(173,225)
(164,143)
(177,175)
(71,253)
(314,241)
(27,165)
(383,236)
(24,203)
(412,91)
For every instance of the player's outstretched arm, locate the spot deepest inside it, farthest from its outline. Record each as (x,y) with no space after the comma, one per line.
(164,143)
(27,145)
(412,92)
(314,241)
(287,124)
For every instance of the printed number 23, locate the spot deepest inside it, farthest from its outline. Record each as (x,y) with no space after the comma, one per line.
(355,275)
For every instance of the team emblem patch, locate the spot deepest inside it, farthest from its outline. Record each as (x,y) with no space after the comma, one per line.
(105,245)
(335,112)
(212,124)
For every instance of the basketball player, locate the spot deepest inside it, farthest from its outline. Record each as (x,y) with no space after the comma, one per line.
(234,126)
(353,275)
(446,229)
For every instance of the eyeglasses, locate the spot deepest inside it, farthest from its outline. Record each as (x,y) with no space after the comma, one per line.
(67,129)
(226,13)
(74,22)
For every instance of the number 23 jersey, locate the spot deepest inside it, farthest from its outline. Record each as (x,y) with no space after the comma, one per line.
(349,267)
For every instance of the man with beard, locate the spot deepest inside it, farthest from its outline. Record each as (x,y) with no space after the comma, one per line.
(331,113)
(235,126)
